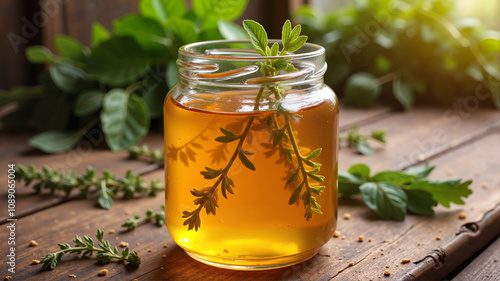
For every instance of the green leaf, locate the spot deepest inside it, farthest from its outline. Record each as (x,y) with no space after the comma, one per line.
(285,33)
(118,61)
(444,191)
(227,133)
(99,34)
(361,90)
(124,119)
(245,161)
(387,200)
(225,139)
(490,43)
(231,31)
(154,97)
(70,48)
(162,10)
(348,183)
(258,35)
(40,54)
(295,195)
(105,196)
(55,141)
(185,30)
(393,177)
(67,77)
(296,44)
(420,202)
(419,171)
(146,31)
(360,170)
(88,102)
(172,74)
(364,148)
(18,93)
(403,93)
(210,11)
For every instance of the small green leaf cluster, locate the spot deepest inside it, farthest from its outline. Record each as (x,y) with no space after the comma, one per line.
(150,215)
(155,156)
(105,252)
(385,47)
(121,80)
(355,139)
(392,193)
(107,186)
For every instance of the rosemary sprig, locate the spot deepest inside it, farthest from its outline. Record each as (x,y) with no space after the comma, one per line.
(158,217)
(108,186)
(355,139)
(208,197)
(105,253)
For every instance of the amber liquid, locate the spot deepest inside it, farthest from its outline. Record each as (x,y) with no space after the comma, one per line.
(256,227)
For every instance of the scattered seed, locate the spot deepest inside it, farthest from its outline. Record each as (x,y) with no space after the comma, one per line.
(161,268)
(35,262)
(127,213)
(347,216)
(387,266)
(340,258)
(116,238)
(369,240)
(438,238)
(336,234)
(72,276)
(484,186)
(351,263)
(462,215)
(343,237)
(150,250)
(123,244)
(138,244)
(418,244)
(405,260)
(165,246)
(449,172)
(361,238)
(111,231)
(8,277)
(33,243)
(102,272)
(225,251)
(164,256)
(421,157)
(387,272)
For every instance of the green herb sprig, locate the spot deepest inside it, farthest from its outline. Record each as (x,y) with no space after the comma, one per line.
(105,252)
(107,186)
(392,193)
(355,139)
(282,136)
(150,215)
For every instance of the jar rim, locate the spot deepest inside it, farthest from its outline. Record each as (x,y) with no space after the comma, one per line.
(186,50)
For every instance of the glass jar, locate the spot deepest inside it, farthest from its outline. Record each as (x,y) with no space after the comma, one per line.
(247,186)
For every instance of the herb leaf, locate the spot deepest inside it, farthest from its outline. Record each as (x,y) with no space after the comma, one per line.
(444,191)
(258,35)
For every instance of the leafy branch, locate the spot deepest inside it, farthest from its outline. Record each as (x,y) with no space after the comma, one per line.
(158,217)
(108,186)
(355,139)
(105,253)
(155,156)
(392,193)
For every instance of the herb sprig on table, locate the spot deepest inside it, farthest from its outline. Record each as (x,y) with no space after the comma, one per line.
(392,193)
(355,139)
(107,186)
(105,252)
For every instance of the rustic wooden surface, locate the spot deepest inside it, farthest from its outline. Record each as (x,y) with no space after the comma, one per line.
(460,146)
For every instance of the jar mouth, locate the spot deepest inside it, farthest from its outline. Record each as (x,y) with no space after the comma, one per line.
(234,50)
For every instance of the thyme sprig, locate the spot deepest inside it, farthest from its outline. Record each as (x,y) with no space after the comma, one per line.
(150,215)
(155,156)
(107,186)
(355,139)
(105,252)
(207,197)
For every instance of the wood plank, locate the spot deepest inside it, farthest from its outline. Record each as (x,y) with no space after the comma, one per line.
(15,150)
(391,241)
(484,267)
(350,116)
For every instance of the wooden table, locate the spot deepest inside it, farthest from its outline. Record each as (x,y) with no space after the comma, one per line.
(462,143)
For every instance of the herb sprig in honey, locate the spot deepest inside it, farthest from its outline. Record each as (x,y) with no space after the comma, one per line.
(306,171)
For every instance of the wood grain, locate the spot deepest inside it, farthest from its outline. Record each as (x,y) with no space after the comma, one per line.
(484,267)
